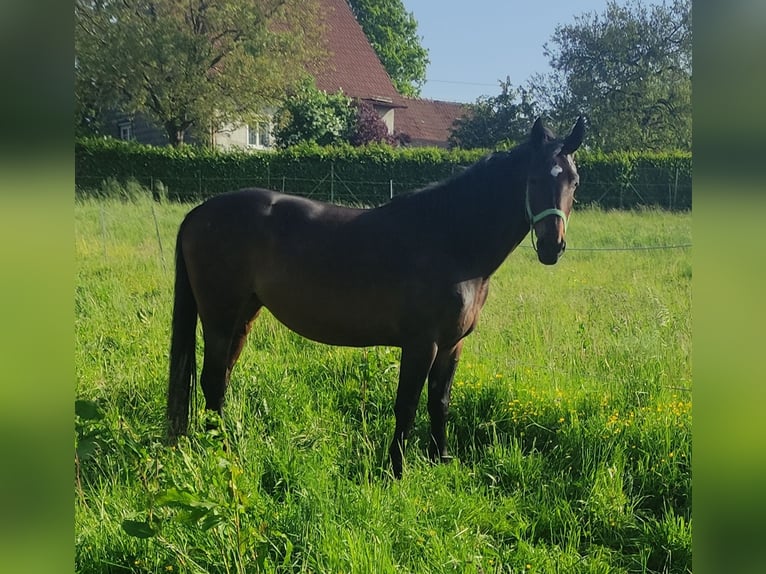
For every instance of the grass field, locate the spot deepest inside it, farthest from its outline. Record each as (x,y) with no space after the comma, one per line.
(570,422)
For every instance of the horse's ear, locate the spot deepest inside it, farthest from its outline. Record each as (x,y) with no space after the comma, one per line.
(574,139)
(537,135)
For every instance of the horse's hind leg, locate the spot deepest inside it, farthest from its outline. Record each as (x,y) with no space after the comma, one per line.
(243,330)
(224,341)
(439,391)
(215,367)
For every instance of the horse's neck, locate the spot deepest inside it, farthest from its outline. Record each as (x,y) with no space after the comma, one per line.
(477,218)
(501,228)
(481,220)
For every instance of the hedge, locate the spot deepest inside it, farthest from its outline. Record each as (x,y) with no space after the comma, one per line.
(366,175)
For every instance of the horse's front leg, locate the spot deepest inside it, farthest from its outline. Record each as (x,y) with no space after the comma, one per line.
(439,392)
(417,360)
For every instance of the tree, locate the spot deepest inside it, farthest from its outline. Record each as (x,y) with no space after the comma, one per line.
(493,121)
(195,64)
(628,70)
(367,126)
(393,34)
(312,115)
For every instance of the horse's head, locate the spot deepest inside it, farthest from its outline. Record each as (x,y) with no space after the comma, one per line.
(551,182)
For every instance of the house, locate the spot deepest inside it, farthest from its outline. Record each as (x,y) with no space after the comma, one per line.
(353,67)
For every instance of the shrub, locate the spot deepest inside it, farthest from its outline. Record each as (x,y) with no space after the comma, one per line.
(368,175)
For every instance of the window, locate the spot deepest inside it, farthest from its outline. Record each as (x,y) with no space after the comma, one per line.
(126,131)
(259,135)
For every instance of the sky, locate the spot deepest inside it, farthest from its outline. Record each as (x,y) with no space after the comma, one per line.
(473,44)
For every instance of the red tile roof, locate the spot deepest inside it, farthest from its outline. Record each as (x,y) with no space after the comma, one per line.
(428,122)
(352,64)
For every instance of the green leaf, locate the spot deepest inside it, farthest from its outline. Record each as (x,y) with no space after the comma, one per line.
(182,499)
(211,519)
(138,529)
(86,447)
(87,410)
(175,497)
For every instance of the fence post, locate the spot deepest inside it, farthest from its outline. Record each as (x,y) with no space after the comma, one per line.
(332,182)
(103,232)
(390,189)
(159,238)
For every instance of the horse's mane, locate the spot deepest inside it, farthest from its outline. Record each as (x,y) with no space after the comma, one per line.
(497,172)
(469,179)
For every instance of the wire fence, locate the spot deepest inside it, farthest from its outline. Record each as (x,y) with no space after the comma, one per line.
(648,186)
(154,228)
(634,248)
(153,215)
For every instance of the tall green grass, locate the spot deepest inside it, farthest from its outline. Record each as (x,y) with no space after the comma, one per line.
(570,422)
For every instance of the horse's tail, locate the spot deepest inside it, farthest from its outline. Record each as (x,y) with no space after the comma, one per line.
(183,365)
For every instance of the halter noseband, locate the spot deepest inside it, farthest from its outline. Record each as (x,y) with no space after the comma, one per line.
(540,216)
(543,214)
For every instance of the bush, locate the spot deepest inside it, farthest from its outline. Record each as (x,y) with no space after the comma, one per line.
(312,115)
(622,180)
(366,175)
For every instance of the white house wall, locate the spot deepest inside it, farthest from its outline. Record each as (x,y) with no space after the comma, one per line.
(231,137)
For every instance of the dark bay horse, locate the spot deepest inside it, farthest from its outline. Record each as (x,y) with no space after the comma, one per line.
(413,273)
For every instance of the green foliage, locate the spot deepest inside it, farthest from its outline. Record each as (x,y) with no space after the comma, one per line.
(621,180)
(393,34)
(314,116)
(571,422)
(366,174)
(494,121)
(628,70)
(188,65)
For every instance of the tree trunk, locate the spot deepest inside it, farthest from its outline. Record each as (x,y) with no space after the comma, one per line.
(176,131)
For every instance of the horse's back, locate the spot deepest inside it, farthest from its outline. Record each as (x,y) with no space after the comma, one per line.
(319,268)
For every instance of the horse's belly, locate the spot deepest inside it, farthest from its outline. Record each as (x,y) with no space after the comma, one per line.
(335,320)
(350,331)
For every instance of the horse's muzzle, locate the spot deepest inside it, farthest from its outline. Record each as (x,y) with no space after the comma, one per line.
(549,253)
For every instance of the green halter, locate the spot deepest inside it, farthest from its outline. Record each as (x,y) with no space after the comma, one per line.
(543,214)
